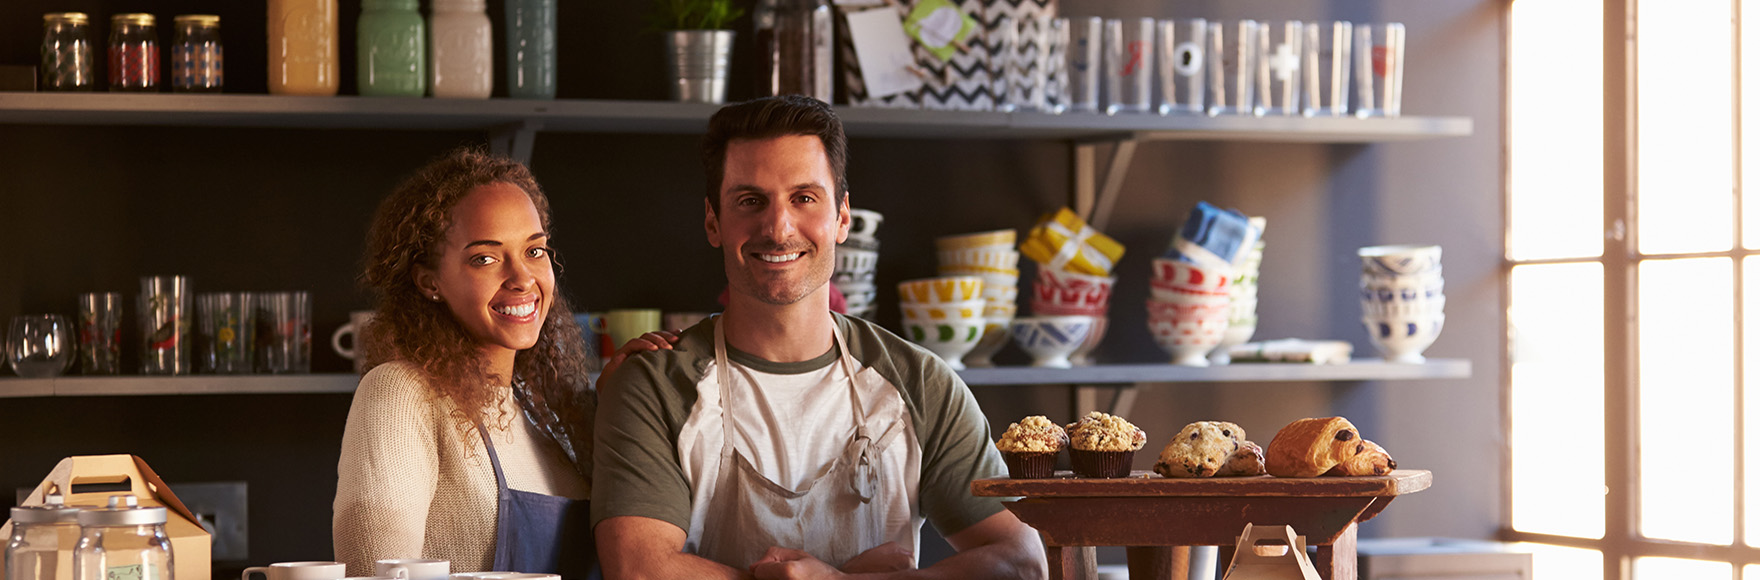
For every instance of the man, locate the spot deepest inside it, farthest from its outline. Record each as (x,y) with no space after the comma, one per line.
(780,440)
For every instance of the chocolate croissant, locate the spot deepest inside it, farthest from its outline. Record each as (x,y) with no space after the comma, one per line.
(1311,447)
(1372,460)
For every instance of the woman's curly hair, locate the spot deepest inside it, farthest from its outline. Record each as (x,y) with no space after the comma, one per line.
(407,232)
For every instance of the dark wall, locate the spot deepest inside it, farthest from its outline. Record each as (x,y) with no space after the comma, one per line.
(93,208)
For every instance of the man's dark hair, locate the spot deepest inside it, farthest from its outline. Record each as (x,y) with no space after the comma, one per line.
(771,117)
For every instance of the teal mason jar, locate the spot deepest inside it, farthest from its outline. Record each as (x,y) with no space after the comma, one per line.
(531,49)
(391,48)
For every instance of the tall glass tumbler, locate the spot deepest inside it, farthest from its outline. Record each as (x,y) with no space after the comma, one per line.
(164,312)
(1279,75)
(100,333)
(1006,65)
(1057,95)
(1234,56)
(1179,62)
(1084,63)
(1326,66)
(1380,68)
(1130,64)
(283,332)
(224,321)
(39,346)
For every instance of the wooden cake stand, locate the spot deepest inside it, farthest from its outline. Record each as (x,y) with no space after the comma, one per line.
(1156,518)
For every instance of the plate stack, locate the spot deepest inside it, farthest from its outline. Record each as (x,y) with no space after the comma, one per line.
(1402,299)
(991,257)
(1074,278)
(944,314)
(857,258)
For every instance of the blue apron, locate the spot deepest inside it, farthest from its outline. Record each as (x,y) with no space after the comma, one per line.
(537,533)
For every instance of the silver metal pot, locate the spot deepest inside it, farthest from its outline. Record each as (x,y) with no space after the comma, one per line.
(697,63)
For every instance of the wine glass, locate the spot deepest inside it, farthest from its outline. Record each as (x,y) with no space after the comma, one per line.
(39,345)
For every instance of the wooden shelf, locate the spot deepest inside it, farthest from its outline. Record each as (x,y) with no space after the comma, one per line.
(1361,370)
(1130,374)
(595,116)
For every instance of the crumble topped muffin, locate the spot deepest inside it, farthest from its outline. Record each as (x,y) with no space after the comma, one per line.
(1035,434)
(1102,432)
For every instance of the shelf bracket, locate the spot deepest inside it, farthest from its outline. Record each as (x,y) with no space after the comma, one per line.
(1095,206)
(515,140)
(1087,398)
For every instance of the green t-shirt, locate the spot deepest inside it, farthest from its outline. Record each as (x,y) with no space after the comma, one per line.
(643,407)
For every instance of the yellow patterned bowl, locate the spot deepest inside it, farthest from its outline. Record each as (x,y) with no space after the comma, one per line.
(940,290)
(1003,238)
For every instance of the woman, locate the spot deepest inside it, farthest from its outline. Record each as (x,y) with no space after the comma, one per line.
(469,438)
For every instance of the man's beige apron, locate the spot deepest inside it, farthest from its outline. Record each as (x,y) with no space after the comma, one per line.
(833,516)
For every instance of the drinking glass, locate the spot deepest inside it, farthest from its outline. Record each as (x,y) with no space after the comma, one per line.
(283,332)
(224,323)
(1380,68)
(1084,64)
(100,333)
(1326,66)
(1234,56)
(1280,67)
(39,346)
(164,324)
(1179,60)
(1130,64)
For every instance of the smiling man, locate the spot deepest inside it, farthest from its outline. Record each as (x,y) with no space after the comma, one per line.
(779,439)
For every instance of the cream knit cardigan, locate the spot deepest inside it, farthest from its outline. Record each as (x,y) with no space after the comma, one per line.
(409,485)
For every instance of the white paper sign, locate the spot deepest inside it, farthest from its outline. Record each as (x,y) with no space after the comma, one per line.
(884,52)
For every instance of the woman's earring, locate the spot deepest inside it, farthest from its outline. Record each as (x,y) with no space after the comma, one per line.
(436,297)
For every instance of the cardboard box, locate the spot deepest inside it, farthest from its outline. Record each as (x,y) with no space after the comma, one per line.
(90,480)
(1284,556)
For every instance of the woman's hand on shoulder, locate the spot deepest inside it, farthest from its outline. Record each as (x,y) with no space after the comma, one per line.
(657,340)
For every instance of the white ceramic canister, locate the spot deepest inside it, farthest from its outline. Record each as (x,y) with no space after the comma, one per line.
(462,47)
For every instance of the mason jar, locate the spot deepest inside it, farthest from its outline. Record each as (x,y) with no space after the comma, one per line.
(67,52)
(42,540)
(197,62)
(123,540)
(134,53)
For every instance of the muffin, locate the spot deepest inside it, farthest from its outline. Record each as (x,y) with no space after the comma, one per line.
(1030,447)
(1102,445)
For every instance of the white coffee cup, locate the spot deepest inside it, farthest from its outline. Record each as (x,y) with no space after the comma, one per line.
(413,569)
(356,328)
(298,571)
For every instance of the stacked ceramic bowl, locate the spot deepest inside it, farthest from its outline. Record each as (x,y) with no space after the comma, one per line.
(857,259)
(944,314)
(1051,340)
(1188,309)
(991,257)
(1243,305)
(1402,299)
(1062,293)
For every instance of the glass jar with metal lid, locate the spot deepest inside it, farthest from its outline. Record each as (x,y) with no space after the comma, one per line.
(67,52)
(39,535)
(197,65)
(134,53)
(122,541)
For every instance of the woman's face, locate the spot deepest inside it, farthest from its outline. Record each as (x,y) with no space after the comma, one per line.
(494,270)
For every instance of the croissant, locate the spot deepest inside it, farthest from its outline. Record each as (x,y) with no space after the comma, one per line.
(1372,460)
(1311,447)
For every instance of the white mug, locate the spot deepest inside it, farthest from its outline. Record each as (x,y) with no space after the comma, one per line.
(298,571)
(413,569)
(356,327)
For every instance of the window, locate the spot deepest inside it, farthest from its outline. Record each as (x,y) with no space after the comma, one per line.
(1632,270)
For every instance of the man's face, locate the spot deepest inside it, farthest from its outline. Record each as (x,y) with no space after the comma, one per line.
(779,221)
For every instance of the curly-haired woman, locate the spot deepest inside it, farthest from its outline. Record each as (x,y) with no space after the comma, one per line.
(469,436)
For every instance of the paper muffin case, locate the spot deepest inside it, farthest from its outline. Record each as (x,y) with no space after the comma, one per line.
(1102,464)
(1062,241)
(1030,465)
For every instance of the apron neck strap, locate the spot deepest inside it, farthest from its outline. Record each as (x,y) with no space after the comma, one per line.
(724,375)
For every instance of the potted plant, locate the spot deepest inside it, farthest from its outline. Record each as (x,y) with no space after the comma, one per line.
(698,46)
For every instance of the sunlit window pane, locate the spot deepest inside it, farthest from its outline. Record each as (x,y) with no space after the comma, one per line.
(1751,395)
(1750,127)
(1750,572)
(1555,130)
(1685,149)
(1677,569)
(1686,394)
(1556,393)
(1561,563)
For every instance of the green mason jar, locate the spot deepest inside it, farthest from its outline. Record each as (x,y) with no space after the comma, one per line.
(391,49)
